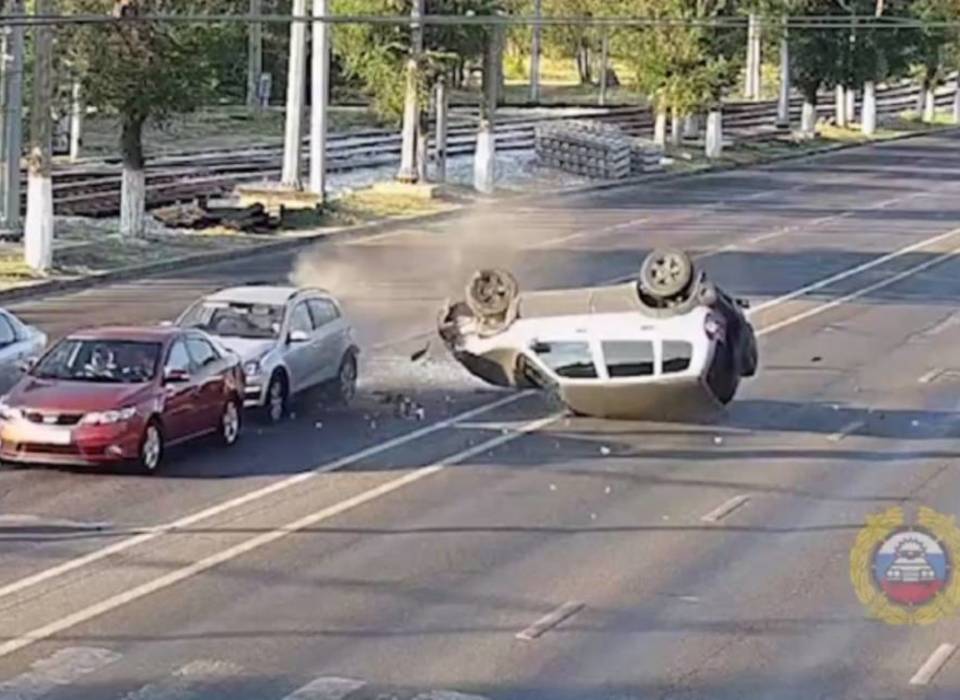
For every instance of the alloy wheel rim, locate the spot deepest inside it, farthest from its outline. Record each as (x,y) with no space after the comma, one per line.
(276,401)
(231,423)
(151,448)
(348,380)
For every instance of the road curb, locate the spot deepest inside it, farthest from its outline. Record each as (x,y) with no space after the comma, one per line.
(209,258)
(74,284)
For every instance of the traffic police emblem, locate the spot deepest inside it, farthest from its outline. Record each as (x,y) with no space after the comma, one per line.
(904,573)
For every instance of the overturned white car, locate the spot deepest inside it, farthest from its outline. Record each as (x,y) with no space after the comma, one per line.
(659,347)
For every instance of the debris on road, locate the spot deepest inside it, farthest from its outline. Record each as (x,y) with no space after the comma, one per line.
(201,215)
(604,450)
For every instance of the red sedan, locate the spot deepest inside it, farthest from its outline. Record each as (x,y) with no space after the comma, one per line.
(118,395)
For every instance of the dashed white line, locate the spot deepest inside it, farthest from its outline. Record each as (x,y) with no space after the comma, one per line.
(725,509)
(550,620)
(847,430)
(933,664)
(63,667)
(265,538)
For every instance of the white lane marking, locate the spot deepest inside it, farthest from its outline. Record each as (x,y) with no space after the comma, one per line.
(326,689)
(933,664)
(855,270)
(268,537)
(725,509)
(928,377)
(188,682)
(447,695)
(249,497)
(550,620)
(863,291)
(847,430)
(63,667)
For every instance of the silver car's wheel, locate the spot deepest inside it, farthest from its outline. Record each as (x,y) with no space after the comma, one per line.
(276,406)
(490,292)
(666,273)
(347,379)
(151,448)
(230,423)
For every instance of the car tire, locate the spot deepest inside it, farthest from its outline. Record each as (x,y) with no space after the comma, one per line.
(151,449)
(277,399)
(490,293)
(345,385)
(666,273)
(231,422)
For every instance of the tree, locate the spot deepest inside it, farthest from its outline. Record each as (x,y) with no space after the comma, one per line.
(143,71)
(932,47)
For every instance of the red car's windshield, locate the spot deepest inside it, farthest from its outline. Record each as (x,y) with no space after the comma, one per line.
(116,361)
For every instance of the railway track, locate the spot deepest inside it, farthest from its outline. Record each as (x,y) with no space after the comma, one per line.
(94,189)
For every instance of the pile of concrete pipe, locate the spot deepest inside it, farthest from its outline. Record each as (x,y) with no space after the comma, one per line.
(594,149)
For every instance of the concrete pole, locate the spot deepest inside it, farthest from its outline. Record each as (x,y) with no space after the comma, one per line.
(411,105)
(440,140)
(38,230)
(296,85)
(783,102)
(604,66)
(841,106)
(754,61)
(254,56)
(485,160)
(76,120)
(714,138)
(868,120)
(535,54)
(11,115)
(319,99)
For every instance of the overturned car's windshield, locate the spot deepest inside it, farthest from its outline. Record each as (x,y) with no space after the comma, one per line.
(239,320)
(108,361)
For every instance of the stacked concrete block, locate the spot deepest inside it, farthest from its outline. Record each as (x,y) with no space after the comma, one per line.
(593,149)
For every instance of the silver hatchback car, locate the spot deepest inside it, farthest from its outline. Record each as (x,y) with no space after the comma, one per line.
(290,340)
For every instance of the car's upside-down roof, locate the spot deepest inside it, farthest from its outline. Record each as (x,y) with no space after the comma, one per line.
(579,301)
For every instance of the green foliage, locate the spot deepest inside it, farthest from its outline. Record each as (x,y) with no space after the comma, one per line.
(375,55)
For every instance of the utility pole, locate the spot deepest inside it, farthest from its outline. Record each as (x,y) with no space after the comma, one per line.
(254,56)
(11,115)
(411,106)
(868,111)
(535,53)
(604,61)
(38,232)
(484,163)
(752,88)
(783,103)
(296,86)
(319,102)
(440,140)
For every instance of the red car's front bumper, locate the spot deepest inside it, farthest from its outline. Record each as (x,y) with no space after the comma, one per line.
(25,442)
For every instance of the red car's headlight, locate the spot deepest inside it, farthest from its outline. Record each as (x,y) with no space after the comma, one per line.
(109,417)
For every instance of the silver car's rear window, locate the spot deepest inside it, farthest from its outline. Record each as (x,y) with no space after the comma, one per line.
(572,360)
(628,358)
(676,356)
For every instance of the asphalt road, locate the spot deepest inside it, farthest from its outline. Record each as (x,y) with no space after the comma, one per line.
(359,555)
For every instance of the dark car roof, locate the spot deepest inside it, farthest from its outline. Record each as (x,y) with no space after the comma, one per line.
(157,334)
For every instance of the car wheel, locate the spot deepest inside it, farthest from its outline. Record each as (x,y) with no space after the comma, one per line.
(491,292)
(230,423)
(151,448)
(346,382)
(278,396)
(665,273)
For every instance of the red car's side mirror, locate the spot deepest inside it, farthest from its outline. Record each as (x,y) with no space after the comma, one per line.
(175,376)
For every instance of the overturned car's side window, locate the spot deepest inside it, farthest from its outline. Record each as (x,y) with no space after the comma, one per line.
(676,356)
(568,359)
(628,358)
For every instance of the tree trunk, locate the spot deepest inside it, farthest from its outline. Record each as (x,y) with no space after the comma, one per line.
(956,102)
(868,120)
(841,106)
(535,54)
(676,126)
(38,230)
(930,104)
(440,139)
(133,188)
(484,162)
(11,119)
(691,126)
(714,138)
(752,87)
(76,120)
(783,103)
(660,127)
(583,64)
(851,106)
(296,88)
(808,117)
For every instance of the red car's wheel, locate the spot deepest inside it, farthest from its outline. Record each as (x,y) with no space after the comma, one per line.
(230,422)
(150,455)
